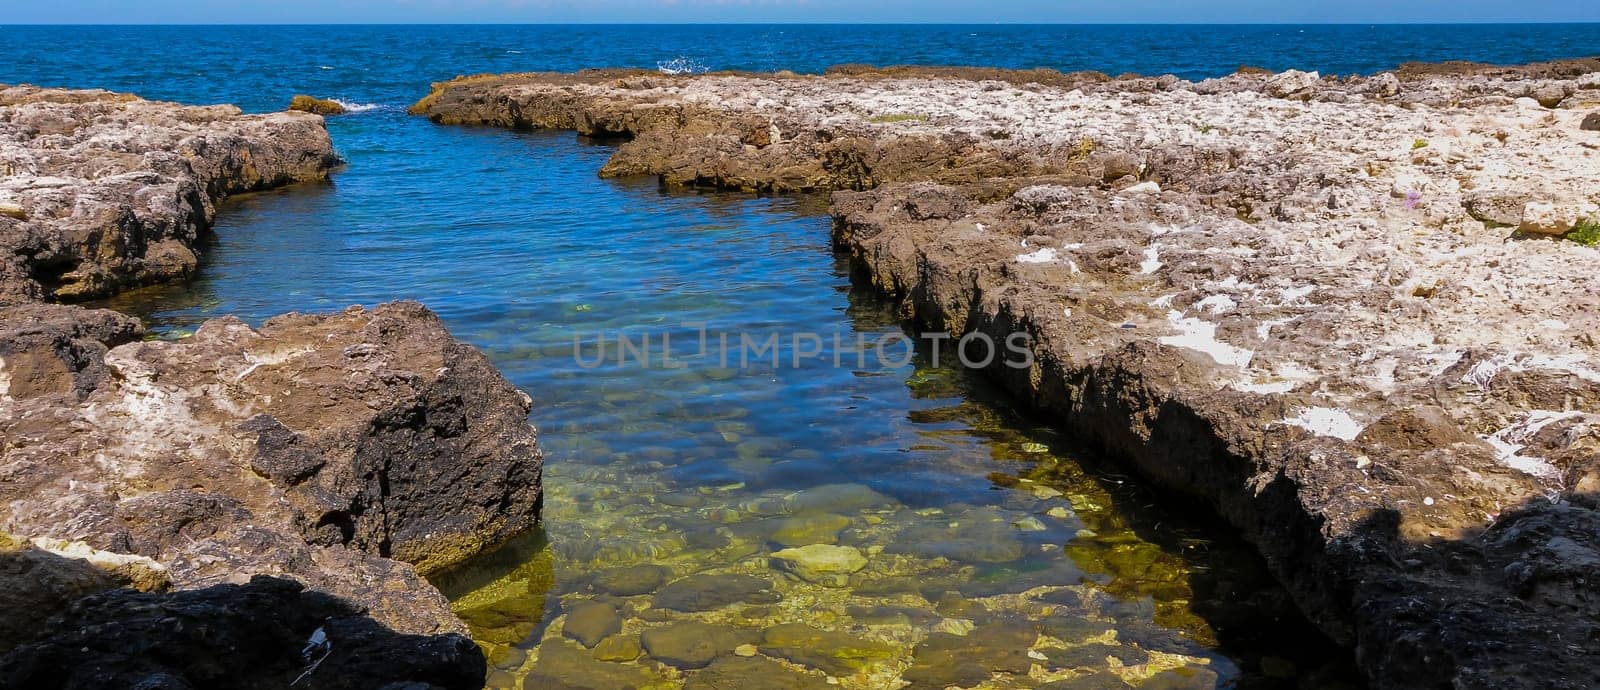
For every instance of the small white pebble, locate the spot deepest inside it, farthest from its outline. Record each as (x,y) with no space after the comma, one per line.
(1427,501)
(1363,462)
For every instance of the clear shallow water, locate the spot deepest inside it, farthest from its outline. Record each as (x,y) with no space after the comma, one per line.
(966,513)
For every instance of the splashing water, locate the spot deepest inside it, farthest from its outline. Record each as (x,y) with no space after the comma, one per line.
(682,65)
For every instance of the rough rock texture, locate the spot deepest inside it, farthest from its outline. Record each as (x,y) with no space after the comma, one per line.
(1302,300)
(319,447)
(312,104)
(349,454)
(269,632)
(104,191)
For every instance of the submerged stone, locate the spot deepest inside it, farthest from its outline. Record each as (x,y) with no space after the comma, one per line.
(563,665)
(708,592)
(590,622)
(693,644)
(1094,655)
(736,673)
(835,653)
(1094,681)
(617,648)
(812,528)
(630,580)
(838,498)
(944,660)
(822,564)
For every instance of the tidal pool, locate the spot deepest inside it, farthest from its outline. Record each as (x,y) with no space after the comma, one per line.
(874,524)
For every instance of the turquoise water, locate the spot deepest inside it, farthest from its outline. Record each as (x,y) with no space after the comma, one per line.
(972,523)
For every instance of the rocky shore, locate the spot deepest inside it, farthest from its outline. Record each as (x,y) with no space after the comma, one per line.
(1355,316)
(246,506)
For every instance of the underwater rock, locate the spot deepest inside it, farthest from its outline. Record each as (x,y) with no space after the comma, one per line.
(834,653)
(618,648)
(693,644)
(630,581)
(590,622)
(822,564)
(563,665)
(735,673)
(943,659)
(809,528)
(709,592)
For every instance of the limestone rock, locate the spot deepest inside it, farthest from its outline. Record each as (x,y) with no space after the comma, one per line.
(89,219)
(1307,273)
(1555,217)
(823,564)
(417,449)
(1501,208)
(1292,82)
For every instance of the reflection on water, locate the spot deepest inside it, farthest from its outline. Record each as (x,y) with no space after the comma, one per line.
(858,526)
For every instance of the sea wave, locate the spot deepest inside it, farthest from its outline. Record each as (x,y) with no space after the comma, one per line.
(350,107)
(682,65)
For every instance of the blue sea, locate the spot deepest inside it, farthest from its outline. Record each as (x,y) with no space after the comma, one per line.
(961,503)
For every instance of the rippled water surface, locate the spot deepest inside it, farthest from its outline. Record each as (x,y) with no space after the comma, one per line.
(960,543)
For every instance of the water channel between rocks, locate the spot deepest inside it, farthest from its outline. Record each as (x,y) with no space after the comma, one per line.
(875,521)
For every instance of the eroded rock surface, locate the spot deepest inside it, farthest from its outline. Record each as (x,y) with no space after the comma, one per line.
(1304,300)
(319,447)
(103,191)
(287,484)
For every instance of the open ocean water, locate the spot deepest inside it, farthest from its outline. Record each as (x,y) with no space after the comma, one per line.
(969,513)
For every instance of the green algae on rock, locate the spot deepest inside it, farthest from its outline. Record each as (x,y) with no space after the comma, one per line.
(319,106)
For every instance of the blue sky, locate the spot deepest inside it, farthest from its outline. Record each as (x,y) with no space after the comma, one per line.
(847,11)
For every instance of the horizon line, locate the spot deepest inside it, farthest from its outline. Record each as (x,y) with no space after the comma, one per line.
(1465,22)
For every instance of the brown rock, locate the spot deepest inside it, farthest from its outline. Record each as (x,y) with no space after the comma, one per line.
(319,106)
(85,222)
(417,450)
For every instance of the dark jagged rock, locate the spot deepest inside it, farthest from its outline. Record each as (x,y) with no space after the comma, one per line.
(269,632)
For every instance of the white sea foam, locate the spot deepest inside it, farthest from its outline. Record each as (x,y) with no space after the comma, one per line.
(682,65)
(350,107)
